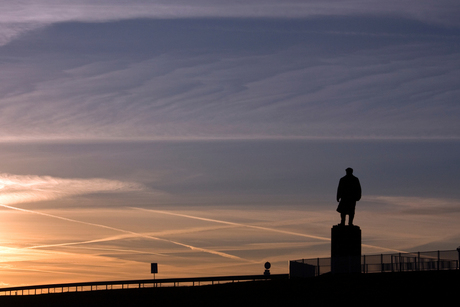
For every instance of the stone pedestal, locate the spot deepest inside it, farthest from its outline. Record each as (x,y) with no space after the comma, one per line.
(345,249)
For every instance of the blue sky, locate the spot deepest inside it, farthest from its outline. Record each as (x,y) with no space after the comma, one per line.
(67,74)
(154,127)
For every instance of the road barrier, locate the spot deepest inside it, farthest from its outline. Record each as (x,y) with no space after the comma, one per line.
(133,284)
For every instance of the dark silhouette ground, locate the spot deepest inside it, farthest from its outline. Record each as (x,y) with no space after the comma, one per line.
(385,289)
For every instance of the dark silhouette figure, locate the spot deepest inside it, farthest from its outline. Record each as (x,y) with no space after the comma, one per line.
(348,193)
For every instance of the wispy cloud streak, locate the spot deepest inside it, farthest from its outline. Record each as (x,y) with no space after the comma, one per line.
(259,228)
(313,78)
(194,248)
(52,11)
(235,224)
(418,205)
(31,188)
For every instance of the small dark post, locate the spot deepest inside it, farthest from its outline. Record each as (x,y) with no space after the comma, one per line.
(346,249)
(364,265)
(381,263)
(418,262)
(458,262)
(267,266)
(439,259)
(154,269)
(317,265)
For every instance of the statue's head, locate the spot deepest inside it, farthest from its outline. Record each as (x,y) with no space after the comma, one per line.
(349,171)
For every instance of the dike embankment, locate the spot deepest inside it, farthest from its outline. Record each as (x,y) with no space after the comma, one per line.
(377,289)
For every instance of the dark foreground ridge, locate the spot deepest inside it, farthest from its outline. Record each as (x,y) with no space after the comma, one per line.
(376,289)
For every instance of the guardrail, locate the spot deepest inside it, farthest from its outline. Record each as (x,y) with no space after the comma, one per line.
(133,284)
(398,262)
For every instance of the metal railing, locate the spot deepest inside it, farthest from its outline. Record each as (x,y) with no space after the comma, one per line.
(398,262)
(420,261)
(133,284)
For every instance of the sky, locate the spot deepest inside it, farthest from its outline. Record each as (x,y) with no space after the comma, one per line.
(209,136)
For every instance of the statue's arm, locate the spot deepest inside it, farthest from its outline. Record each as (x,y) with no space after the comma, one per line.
(358,195)
(338,192)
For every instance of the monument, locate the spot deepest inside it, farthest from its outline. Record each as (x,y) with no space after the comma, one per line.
(345,249)
(346,239)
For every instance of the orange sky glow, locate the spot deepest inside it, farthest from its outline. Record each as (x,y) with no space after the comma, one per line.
(86,244)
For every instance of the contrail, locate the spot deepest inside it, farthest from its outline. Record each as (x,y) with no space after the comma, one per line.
(225,255)
(124,236)
(237,224)
(72,244)
(259,227)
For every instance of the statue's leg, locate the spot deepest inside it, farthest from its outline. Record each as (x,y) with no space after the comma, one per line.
(351,216)
(342,216)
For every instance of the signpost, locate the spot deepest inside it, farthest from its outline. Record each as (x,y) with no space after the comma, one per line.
(154,269)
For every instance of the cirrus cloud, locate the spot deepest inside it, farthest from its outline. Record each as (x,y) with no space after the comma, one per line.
(31,188)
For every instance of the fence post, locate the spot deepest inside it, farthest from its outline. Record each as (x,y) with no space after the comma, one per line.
(439,256)
(381,263)
(418,265)
(364,267)
(458,262)
(317,264)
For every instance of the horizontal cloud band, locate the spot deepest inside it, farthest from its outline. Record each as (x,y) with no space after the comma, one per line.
(31,188)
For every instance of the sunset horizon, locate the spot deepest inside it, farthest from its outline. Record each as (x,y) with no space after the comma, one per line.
(210,137)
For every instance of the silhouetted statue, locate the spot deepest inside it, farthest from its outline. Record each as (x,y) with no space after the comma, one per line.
(348,193)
